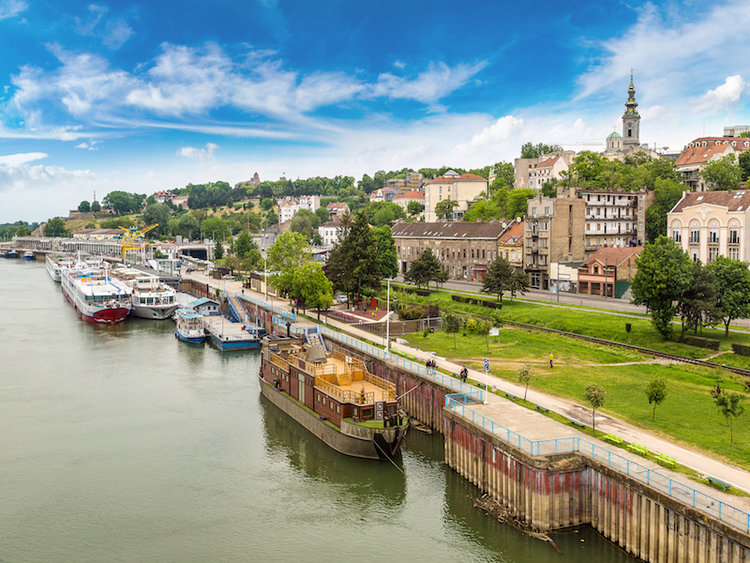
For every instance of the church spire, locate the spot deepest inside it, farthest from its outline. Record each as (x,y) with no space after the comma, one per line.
(631,119)
(631,105)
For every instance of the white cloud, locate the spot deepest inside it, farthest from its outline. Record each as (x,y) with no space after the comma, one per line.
(722,97)
(202,155)
(16,160)
(399,65)
(12,8)
(430,85)
(113,32)
(91,145)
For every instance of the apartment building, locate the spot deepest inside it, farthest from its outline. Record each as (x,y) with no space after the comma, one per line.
(462,188)
(609,271)
(711,224)
(703,150)
(510,245)
(614,218)
(533,172)
(465,250)
(553,232)
(288,206)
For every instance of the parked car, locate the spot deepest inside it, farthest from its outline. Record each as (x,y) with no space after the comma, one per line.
(342,298)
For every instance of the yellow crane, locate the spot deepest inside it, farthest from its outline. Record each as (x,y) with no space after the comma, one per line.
(133,239)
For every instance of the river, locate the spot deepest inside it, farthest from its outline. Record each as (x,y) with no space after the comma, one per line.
(121,443)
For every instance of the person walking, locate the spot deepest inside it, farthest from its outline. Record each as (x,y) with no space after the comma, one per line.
(550,361)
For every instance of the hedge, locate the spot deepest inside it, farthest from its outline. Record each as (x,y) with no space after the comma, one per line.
(474,301)
(740,349)
(702,342)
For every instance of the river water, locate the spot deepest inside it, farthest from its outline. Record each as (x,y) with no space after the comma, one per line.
(121,443)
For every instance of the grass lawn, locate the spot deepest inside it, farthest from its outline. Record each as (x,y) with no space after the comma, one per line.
(688,414)
(589,323)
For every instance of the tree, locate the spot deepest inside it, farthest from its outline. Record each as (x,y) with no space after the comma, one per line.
(730,405)
(122,202)
(322,214)
(381,213)
(157,213)
(744,163)
(656,392)
(185,225)
(697,305)
(519,283)
(353,264)
(414,208)
(497,279)
(530,150)
(214,227)
(244,244)
(55,228)
(386,246)
(664,274)
(95,207)
(732,289)
(667,193)
(516,202)
(285,256)
(451,324)
(443,209)
(22,231)
(722,174)
(218,251)
(312,286)
(595,396)
(267,203)
(525,376)
(424,269)
(84,206)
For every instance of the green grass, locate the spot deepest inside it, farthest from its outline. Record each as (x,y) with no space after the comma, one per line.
(585,322)
(688,415)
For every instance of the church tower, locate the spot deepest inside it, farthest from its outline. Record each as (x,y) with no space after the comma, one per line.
(631,120)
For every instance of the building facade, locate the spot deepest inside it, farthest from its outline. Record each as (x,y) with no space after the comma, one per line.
(405,198)
(465,250)
(553,232)
(608,272)
(462,188)
(330,232)
(510,245)
(711,224)
(703,150)
(533,172)
(289,206)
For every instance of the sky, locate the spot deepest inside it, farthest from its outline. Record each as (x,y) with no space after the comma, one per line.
(150,96)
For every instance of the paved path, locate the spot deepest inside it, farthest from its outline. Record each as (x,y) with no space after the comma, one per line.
(702,463)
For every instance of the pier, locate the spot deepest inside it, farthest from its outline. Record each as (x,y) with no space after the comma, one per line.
(547,474)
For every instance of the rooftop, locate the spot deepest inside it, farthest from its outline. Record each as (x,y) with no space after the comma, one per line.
(455,229)
(733,200)
(613,256)
(446,179)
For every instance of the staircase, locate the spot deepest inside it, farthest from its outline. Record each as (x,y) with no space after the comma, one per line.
(344,378)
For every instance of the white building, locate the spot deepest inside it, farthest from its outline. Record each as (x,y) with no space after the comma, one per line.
(462,188)
(330,232)
(703,150)
(288,206)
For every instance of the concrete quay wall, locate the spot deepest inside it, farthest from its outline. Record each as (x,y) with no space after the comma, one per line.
(559,491)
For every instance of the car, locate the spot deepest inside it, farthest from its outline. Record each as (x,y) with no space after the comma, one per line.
(341,298)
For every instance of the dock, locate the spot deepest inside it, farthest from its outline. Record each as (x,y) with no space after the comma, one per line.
(229,336)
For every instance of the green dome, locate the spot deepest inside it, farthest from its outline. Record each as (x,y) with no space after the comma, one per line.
(614,135)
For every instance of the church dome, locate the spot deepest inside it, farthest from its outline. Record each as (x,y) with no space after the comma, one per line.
(614,135)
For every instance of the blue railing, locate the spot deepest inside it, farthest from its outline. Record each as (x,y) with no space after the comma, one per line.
(277,311)
(575,444)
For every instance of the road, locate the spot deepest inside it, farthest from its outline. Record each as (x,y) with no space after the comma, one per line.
(699,461)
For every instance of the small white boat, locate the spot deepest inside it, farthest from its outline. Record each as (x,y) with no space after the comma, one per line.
(151,298)
(56,264)
(28,255)
(189,326)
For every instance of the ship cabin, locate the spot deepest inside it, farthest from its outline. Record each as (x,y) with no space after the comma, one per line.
(334,386)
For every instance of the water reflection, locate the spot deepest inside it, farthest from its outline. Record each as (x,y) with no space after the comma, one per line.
(364,482)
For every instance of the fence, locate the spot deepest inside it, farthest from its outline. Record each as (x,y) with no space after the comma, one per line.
(575,444)
(396,328)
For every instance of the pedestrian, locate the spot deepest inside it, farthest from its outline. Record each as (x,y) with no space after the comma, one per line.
(550,361)
(385,421)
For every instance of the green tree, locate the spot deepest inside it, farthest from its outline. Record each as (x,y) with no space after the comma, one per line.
(444,209)
(383,213)
(730,405)
(531,150)
(498,277)
(312,286)
(516,206)
(95,207)
(414,208)
(386,247)
(505,175)
(483,210)
(424,269)
(353,264)
(663,276)
(290,252)
(732,289)
(656,392)
(185,225)
(549,188)
(122,202)
(519,283)
(84,206)
(595,396)
(697,304)
(667,193)
(305,222)
(451,324)
(243,245)
(157,213)
(722,174)
(744,163)
(267,203)
(524,376)
(22,231)
(55,228)
(218,251)
(322,214)
(214,227)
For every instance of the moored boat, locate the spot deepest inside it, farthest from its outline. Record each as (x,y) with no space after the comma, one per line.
(28,255)
(189,326)
(56,264)
(150,298)
(11,253)
(95,295)
(333,396)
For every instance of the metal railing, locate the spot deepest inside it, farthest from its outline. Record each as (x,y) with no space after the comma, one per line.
(277,311)
(575,444)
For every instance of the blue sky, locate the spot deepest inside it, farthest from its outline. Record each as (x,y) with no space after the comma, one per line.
(148,96)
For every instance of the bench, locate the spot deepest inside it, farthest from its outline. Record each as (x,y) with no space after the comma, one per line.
(612,439)
(666,461)
(510,396)
(578,424)
(718,483)
(637,449)
(540,408)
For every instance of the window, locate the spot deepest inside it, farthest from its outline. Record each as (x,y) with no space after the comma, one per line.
(734,253)
(695,236)
(713,236)
(713,252)
(546,210)
(734,236)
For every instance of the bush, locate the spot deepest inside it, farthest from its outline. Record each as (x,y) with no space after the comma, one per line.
(710,343)
(410,312)
(497,319)
(472,325)
(740,349)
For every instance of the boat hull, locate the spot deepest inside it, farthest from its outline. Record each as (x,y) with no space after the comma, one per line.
(154,313)
(233,345)
(355,446)
(190,339)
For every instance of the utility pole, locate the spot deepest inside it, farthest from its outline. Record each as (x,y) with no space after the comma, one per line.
(388,317)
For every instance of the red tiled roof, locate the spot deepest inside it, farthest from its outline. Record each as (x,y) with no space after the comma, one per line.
(733,200)
(454,229)
(696,153)
(451,179)
(513,234)
(613,256)
(410,195)
(549,162)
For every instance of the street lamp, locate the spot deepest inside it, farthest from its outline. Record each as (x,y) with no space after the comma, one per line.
(388,317)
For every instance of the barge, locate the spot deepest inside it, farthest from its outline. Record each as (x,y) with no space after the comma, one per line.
(333,396)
